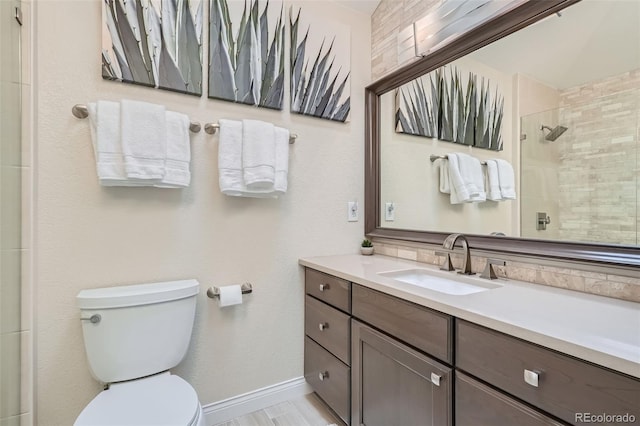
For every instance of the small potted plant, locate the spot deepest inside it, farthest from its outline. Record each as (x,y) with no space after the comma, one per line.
(366,247)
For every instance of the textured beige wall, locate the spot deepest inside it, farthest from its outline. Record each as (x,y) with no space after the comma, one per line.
(88,236)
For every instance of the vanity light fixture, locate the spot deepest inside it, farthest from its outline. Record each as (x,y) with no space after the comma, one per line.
(453,18)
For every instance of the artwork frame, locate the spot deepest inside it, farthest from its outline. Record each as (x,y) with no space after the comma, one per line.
(154,43)
(446,106)
(321,88)
(242,68)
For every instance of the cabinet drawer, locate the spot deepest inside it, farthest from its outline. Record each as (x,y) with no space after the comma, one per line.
(328,377)
(423,328)
(329,327)
(332,290)
(479,405)
(566,386)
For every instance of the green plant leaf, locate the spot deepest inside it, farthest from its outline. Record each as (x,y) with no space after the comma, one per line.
(221,77)
(168,21)
(188,51)
(169,75)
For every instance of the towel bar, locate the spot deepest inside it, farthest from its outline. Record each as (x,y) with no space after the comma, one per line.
(444,157)
(81,111)
(212,128)
(214,292)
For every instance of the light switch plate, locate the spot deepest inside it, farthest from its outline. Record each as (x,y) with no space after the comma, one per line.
(390,212)
(352,211)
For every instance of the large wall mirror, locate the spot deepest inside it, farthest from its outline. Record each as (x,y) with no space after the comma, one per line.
(551,88)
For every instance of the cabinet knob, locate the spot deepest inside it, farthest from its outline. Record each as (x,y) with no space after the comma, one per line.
(435,379)
(531,377)
(323,375)
(324,287)
(323,326)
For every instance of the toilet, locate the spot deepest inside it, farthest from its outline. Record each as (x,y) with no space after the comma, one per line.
(133,336)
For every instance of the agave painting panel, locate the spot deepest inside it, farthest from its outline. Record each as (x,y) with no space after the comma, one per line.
(156,43)
(320,60)
(452,106)
(246,52)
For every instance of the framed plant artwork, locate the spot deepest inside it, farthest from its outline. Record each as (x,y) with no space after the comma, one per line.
(246,52)
(156,43)
(320,59)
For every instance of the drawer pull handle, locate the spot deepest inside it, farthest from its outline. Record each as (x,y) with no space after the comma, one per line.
(435,379)
(324,287)
(531,377)
(323,326)
(323,375)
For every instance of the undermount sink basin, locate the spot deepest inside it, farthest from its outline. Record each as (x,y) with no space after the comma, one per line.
(456,285)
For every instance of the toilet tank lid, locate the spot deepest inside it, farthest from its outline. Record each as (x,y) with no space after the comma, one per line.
(134,295)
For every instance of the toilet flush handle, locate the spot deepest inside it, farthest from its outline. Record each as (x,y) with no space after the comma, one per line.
(94,319)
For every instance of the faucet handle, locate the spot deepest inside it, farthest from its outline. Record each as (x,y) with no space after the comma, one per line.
(488,272)
(447,265)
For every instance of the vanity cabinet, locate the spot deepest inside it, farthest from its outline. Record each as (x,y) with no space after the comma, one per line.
(397,380)
(327,349)
(394,384)
(560,385)
(376,359)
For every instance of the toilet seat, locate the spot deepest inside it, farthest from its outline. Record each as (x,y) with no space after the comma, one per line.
(162,399)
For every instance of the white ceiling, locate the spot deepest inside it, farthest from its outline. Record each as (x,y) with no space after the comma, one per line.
(592,39)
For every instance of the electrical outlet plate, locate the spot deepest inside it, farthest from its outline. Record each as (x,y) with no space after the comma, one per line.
(352,211)
(390,212)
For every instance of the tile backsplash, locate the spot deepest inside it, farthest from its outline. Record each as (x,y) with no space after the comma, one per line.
(603,284)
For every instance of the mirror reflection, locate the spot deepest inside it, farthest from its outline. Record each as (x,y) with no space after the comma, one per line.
(567,92)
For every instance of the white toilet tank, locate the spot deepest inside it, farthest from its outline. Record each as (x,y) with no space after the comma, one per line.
(137,330)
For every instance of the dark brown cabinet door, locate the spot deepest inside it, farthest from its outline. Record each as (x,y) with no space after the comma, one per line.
(480,405)
(393,384)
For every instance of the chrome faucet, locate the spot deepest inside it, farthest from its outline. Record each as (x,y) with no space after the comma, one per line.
(448,245)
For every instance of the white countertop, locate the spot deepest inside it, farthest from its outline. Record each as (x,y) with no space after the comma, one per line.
(599,329)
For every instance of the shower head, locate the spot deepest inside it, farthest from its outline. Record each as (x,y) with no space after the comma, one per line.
(554,133)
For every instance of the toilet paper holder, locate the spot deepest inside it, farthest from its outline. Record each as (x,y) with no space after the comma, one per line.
(214,292)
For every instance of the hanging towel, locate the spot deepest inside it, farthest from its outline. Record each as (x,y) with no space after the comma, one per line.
(178,157)
(466,179)
(282,160)
(493,181)
(230,158)
(445,183)
(258,154)
(507,179)
(104,117)
(143,134)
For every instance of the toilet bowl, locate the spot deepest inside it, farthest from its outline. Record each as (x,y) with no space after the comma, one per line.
(133,335)
(163,399)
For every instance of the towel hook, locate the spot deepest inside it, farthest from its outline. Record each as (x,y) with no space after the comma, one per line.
(81,111)
(212,129)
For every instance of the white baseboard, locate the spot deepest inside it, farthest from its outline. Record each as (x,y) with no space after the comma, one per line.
(240,405)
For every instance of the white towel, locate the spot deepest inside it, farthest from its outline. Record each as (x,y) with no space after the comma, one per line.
(143,134)
(258,154)
(104,117)
(507,179)
(178,157)
(466,178)
(493,181)
(282,160)
(230,158)
(445,182)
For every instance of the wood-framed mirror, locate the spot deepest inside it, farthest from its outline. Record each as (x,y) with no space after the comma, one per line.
(515,242)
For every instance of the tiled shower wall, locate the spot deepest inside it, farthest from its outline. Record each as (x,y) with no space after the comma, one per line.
(15,161)
(390,18)
(598,172)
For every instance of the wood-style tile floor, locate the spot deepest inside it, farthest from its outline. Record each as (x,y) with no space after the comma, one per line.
(306,410)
